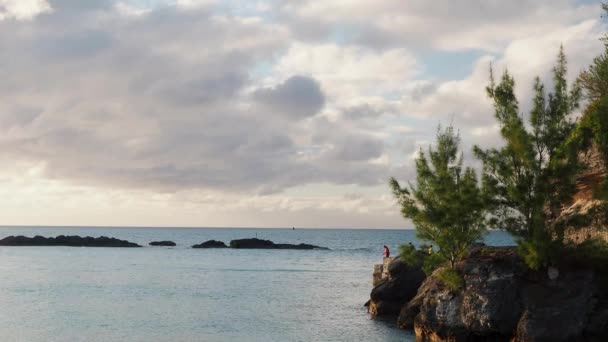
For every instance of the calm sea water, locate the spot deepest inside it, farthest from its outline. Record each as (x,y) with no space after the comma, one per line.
(184,294)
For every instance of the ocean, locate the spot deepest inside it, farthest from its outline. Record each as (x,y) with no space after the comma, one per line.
(184,294)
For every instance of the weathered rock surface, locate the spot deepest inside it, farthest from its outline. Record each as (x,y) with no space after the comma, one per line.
(163,243)
(211,244)
(504,301)
(254,243)
(62,240)
(390,295)
(587,182)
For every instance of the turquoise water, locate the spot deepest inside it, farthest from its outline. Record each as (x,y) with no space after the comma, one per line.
(183,294)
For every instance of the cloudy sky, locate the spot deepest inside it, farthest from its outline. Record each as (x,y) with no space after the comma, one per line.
(270,113)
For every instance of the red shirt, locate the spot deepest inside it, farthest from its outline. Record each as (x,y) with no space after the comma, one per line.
(387,253)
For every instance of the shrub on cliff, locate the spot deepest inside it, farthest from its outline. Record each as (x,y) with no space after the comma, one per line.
(450,278)
(447,205)
(420,258)
(533,174)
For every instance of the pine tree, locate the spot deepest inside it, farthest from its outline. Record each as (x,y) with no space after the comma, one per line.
(534,173)
(447,205)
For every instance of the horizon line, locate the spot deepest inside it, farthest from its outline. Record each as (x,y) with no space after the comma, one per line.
(194,227)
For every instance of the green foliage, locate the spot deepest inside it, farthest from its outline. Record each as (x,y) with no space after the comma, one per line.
(420,258)
(450,278)
(447,205)
(593,127)
(595,79)
(410,255)
(432,262)
(536,252)
(593,130)
(534,173)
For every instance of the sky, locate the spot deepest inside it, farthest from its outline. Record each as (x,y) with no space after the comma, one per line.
(246,113)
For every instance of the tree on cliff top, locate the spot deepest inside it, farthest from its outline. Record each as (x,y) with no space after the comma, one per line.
(447,205)
(533,174)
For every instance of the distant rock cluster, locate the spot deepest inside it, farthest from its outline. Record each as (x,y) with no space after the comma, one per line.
(163,243)
(63,240)
(211,244)
(102,241)
(267,244)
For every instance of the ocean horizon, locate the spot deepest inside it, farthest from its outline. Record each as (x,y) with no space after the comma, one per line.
(185,294)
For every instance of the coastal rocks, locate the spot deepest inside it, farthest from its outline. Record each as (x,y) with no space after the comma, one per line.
(504,301)
(211,244)
(392,293)
(254,243)
(163,243)
(62,240)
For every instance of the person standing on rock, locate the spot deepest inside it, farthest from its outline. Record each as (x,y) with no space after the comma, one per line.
(387,252)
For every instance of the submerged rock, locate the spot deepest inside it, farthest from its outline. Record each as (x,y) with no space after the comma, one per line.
(254,243)
(63,240)
(163,243)
(211,244)
(392,293)
(502,300)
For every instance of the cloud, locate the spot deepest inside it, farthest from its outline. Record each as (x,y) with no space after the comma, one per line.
(443,24)
(236,109)
(298,97)
(164,103)
(23,9)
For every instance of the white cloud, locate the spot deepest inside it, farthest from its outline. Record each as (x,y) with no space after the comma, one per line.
(351,75)
(23,9)
(443,24)
(194,3)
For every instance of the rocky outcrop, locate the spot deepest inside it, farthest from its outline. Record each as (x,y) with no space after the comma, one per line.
(62,240)
(381,271)
(502,300)
(254,243)
(163,243)
(398,288)
(211,244)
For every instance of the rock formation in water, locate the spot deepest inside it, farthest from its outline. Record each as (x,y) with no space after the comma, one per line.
(62,240)
(211,244)
(254,243)
(392,292)
(502,300)
(163,243)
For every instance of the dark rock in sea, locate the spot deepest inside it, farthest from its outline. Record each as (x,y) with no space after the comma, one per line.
(63,240)
(163,243)
(391,294)
(211,244)
(502,300)
(254,243)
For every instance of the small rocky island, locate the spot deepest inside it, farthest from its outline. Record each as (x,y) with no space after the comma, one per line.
(163,243)
(211,244)
(254,243)
(63,240)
